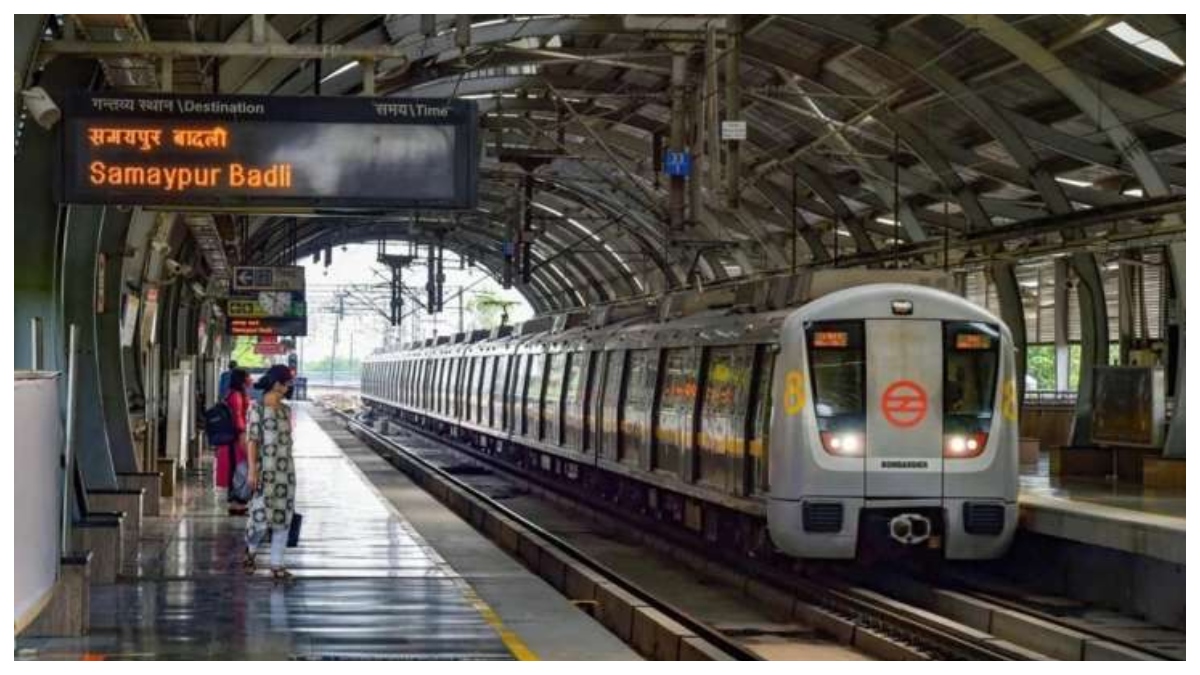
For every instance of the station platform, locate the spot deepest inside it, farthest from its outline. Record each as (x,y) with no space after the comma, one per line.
(1145,522)
(372,581)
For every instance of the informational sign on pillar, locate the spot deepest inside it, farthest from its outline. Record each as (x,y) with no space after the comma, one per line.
(677,164)
(733,130)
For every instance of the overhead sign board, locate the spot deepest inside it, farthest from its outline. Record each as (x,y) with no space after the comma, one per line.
(268,278)
(267,301)
(174,150)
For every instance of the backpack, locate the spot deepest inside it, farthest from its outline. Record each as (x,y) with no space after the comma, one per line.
(218,425)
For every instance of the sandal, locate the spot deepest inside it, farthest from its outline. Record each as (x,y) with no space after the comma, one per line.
(248,564)
(281,574)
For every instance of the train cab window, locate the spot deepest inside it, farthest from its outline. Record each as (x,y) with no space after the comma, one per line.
(610,417)
(552,407)
(676,409)
(573,414)
(637,409)
(837,359)
(760,428)
(972,354)
(533,394)
(723,415)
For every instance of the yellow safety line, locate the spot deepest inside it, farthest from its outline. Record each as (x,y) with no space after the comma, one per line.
(516,646)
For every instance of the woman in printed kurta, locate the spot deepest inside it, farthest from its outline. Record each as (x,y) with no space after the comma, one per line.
(269,428)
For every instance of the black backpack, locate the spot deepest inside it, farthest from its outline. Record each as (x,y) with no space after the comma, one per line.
(218,425)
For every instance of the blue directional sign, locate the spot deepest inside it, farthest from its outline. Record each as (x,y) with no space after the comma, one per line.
(677,163)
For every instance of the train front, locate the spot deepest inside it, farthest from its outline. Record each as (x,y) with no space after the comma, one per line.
(895,427)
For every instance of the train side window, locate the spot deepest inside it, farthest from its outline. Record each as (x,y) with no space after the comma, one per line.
(451,375)
(481,382)
(517,392)
(724,411)
(500,391)
(573,420)
(614,386)
(471,389)
(531,391)
(590,404)
(533,395)
(637,410)
(552,404)
(760,427)
(676,410)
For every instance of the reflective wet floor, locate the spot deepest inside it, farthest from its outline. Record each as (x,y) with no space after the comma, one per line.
(1171,503)
(367,586)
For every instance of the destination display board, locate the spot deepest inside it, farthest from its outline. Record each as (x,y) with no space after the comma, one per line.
(176,150)
(267,301)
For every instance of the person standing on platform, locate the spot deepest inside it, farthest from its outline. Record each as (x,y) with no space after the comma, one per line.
(223,381)
(230,457)
(272,470)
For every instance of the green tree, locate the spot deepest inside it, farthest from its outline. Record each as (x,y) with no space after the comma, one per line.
(243,353)
(488,308)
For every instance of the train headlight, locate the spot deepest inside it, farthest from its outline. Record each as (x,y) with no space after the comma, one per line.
(963,446)
(843,443)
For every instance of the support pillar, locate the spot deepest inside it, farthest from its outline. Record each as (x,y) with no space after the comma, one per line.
(1175,444)
(1012,312)
(1062,298)
(1093,327)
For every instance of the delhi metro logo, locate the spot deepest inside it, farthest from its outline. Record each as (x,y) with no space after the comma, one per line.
(904,404)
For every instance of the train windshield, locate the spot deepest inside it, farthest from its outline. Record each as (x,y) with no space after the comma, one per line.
(972,360)
(838,364)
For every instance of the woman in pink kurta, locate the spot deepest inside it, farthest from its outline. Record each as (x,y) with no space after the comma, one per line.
(228,457)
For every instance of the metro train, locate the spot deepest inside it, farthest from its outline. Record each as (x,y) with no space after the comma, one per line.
(880,417)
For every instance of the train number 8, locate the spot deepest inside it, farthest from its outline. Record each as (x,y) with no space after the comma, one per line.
(793,395)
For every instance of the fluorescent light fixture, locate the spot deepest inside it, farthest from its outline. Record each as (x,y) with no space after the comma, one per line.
(1134,192)
(344,69)
(1073,182)
(885,221)
(844,233)
(1144,42)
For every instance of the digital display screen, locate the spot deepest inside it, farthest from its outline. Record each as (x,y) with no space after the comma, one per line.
(831,338)
(972,341)
(269,151)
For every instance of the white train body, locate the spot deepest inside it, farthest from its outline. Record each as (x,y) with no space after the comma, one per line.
(917,423)
(882,412)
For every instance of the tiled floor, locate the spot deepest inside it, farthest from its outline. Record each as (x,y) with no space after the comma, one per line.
(367,585)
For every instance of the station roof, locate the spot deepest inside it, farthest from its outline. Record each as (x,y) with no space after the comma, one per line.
(869,137)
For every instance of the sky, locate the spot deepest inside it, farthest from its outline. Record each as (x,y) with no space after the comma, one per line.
(363,329)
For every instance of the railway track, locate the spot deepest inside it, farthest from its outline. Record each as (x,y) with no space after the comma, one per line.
(882,625)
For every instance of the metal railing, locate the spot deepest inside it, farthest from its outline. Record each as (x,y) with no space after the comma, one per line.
(1050,397)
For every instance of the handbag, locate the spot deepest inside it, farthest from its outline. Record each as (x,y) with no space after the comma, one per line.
(239,486)
(294,530)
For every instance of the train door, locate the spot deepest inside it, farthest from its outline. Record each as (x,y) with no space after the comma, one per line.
(904,408)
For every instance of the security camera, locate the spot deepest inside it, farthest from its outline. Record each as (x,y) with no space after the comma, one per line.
(41,107)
